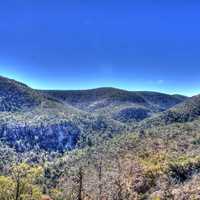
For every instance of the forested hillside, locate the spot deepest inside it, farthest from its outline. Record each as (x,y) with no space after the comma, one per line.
(104,144)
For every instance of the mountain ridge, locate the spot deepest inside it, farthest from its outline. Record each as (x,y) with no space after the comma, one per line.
(68,117)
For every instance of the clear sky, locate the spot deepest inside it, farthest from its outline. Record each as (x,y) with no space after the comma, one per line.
(79,44)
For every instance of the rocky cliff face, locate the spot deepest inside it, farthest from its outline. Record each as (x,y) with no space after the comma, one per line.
(55,137)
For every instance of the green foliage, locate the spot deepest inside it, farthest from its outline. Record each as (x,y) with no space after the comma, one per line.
(22,184)
(6,188)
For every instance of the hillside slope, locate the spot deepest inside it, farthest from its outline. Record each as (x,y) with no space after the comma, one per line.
(187,111)
(31,120)
(15,96)
(63,120)
(154,156)
(124,106)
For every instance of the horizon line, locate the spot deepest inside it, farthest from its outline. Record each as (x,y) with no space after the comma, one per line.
(93,88)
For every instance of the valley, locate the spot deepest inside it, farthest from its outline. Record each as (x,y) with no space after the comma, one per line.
(103,143)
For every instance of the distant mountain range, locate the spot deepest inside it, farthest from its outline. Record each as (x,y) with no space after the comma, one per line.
(121,105)
(60,120)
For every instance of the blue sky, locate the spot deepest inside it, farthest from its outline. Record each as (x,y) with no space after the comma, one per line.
(71,44)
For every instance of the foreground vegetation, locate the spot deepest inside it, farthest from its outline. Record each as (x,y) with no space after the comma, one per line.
(156,163)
